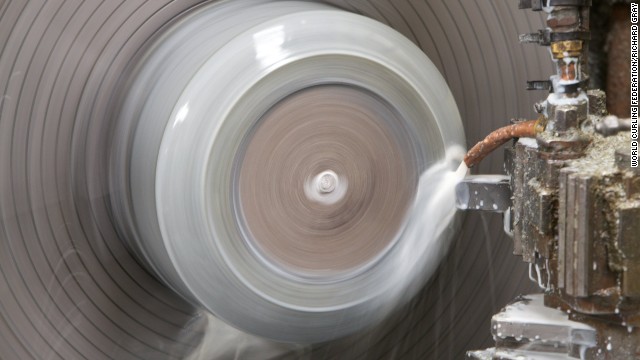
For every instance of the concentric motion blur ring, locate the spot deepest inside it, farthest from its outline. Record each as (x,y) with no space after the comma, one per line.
(368,187)
(268,165)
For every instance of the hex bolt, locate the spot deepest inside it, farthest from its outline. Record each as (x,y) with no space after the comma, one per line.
(566,118)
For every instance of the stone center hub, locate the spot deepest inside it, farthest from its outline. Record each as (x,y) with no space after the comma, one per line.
(326,182)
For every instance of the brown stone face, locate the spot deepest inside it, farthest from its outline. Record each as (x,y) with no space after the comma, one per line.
(326,180)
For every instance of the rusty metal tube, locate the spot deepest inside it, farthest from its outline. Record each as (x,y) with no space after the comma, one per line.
(498,137)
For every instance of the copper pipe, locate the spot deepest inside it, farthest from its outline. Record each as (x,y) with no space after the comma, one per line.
(568,71)
(498,137)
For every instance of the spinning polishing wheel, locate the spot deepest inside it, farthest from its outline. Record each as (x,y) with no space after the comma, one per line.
(268,163)
(274,163)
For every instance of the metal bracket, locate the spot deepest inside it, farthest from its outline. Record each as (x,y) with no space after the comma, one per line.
(546,37)
(537,5)
(539,85)
(484,192)
(548,85)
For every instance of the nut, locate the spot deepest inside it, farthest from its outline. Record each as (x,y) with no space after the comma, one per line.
(568,146)
(567,48)
(566,118)
(563,17)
